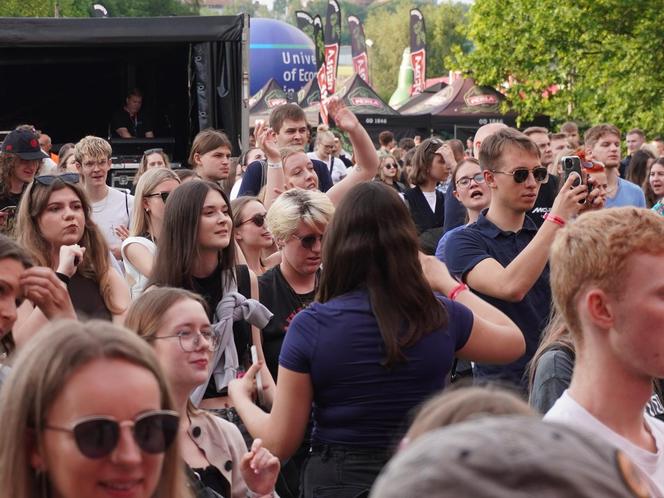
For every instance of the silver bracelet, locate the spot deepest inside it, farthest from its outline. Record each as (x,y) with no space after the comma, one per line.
(274,165)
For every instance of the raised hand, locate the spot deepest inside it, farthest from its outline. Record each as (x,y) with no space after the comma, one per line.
(266,140)
(343,117)
(70,257)
(260,469)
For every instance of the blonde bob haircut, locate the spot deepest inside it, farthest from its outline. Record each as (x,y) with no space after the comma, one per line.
(92,147)
(594,252)
(312,207)
(41,373)
(149,181)
(95,264)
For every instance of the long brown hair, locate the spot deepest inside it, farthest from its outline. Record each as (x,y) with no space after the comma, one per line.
(95,264)
(178,244)
(372,243)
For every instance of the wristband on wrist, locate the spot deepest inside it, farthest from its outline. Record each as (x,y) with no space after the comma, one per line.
(63,277)
(454,293)
(274,165)
(555,219)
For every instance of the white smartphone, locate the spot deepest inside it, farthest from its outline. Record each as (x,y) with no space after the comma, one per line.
(259,381)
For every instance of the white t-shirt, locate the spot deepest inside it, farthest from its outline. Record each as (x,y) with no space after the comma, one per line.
(431,199)
(136,279)
(568,412)
(338,172)
(111,212)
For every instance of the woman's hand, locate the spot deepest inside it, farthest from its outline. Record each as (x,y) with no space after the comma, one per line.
(266,140)
(343,117)
(260,469)
(437,274)
(47,292)
(121,231)
(448,156)
(70,258)
(245,387)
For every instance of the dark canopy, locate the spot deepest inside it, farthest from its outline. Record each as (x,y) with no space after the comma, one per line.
(267,98)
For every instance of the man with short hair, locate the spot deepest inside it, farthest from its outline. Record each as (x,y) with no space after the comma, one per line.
(386,141)
(559,142)
(503,256)
(289,123)
(572,131)
(606,278)
(634,139)
(541,138)
(111,208)
(658,142)
(131,121)
(602,143)
(406,143)
(549,189)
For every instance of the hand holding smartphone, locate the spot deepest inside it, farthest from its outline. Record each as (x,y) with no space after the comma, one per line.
(572,165)
(259,381)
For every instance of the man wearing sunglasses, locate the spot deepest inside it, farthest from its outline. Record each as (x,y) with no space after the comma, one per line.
(503,256)
(290,125)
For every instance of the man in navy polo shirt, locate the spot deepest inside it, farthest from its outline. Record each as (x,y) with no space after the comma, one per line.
(503,256)
(290,125)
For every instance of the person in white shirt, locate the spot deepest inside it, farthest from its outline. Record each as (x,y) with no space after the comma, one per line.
(325,148)
(607,280)
(111,208)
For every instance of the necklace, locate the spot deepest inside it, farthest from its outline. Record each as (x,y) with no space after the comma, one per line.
(303,300)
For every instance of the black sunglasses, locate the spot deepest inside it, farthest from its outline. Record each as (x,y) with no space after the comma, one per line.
(540,174)
(308,241)
(152,151)
(48,180)
(390,166)
(97,437)
(257,219)
(164,195)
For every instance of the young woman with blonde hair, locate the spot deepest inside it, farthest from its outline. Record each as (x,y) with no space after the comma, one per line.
(56,229)
(252,234)
(139,248)
(86,413)
(152,158)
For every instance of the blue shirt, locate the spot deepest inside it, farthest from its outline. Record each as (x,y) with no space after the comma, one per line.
(481,240)
(253,181)
(442,243)
(357,401)
(627,194)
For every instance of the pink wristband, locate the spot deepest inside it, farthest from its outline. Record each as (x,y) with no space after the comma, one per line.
(555,219)
(454,293)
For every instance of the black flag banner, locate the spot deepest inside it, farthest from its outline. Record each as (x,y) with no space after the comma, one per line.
(331,35)
(418,50)
(358,48)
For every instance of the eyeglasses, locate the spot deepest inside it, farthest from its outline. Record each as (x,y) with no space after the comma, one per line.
(257,219)
(48,180)
(91,164)
(540,174)
(97,437)
(191,341)
(163,195)
(390,166)
(464,181)
(152,151)
(308,241)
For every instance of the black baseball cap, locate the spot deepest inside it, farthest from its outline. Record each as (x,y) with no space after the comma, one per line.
(23,142)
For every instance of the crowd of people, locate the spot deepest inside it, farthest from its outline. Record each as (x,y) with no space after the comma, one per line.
(301,322)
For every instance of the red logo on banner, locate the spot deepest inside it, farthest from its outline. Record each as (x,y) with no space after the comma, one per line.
(418,60)
(482,100)
(360,64)
(331,52)
(322,85)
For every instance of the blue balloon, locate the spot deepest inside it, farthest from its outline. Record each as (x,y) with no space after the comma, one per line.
(281,51)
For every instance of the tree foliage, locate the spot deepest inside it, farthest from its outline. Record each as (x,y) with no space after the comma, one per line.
(387,26)
(81,8)
(604,57)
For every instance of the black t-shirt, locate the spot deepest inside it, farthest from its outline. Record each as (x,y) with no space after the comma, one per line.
(278,296)
(137,127)
(547,194)
(9,204)
(209,477)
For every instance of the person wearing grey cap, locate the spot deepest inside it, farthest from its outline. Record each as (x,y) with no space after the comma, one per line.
(607,277)
(509,457)
(20,157)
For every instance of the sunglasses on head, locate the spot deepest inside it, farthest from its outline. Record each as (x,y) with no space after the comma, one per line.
(308,241)
(163,195)
(257,219)
(540,174)
(97,437)
(48,180)
(152,151)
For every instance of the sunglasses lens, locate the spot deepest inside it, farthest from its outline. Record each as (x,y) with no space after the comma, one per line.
(164,196)
(155,433)
(521,175)
(258,220)
(308,241)
(540,174)
(96,438)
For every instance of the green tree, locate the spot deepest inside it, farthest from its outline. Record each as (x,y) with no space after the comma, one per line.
(603,57)
(81,8)
(388,27)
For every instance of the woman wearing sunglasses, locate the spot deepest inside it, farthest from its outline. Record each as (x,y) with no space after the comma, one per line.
(138,249)
(86,413)
(376,344)
(152,158)
(56,229)
(252,235)
(471,191)
(174,322)
(388,173)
